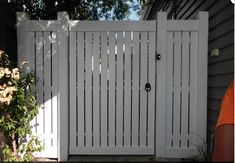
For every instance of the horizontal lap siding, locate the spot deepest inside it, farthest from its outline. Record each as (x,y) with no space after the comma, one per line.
(216,93)
(215,81)
(220,68)
(225,55)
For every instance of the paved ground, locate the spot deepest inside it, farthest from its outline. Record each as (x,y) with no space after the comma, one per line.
(114,159)
(117,159)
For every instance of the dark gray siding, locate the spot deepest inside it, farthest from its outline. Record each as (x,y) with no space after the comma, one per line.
(8,41)
(221,35)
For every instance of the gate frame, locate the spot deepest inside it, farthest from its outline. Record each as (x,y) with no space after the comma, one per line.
(160,106)
(160,112)
(63,104)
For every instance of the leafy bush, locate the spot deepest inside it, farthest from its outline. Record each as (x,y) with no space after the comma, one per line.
(17,109)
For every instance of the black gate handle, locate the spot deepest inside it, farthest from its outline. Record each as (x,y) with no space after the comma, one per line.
(147,87)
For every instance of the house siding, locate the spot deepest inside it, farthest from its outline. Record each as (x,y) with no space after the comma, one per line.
(8,39)
(221,36)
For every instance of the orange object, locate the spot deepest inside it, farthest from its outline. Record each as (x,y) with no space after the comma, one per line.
(226,115)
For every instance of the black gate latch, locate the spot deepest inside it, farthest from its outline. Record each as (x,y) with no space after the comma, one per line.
(158,56)
(147,87)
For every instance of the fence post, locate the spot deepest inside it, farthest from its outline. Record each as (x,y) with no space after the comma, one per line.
(161,85)
(62,45)
(202,79)
(22,40)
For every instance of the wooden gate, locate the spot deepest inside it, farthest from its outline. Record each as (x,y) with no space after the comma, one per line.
(111,107)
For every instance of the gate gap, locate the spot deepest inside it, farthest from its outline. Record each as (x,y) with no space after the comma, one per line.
(181,66)
(51,113)
(189,84)
(123,88)
(92,98)
(172,124)
(43,79)
(147,92)
(51,38)
(84,88)
(139,87)
(76,76)
(108,75)
(35,63)
(189,59)
(115,89)
(100,86)
(132,33)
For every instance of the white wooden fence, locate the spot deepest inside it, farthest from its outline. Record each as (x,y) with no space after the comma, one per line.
(92,79)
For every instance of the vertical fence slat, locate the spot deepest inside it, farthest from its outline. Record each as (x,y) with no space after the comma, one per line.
(31,63)
(193,88)
(127,89)
(119,111)
(135,94)
(73,107)
(111,89)
(177,74)
(96,69)
(54,92)
(185,88)
(169,89)
(202,79)
(104,89)
(88,124)
(80,94)
(63,110)
(39,85)
(47,86)
(143,92)
(151,94)
(160,137)
(31,42)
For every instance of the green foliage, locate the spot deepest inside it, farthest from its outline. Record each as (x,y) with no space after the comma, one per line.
(24,153)
(17,109)
(77,9)
(16,116)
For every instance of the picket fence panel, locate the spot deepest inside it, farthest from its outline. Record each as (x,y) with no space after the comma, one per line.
(92,77)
